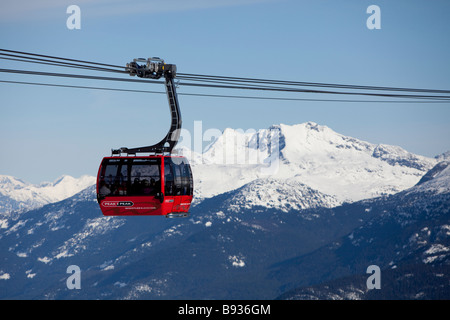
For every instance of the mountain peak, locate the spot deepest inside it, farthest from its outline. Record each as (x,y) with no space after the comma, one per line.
(61,179)
(20,195)
(443,156)
(283,195)
(332,163)
(11,183)
(314,126)
(437,179)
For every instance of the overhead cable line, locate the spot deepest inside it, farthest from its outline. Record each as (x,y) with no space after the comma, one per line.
(221,96)
(219,82)
(77,76)
(80,87)
(309,84)
(55,63)
(202,77)
(62,59)
(230,86)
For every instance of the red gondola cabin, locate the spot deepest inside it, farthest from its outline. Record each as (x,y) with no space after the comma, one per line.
(145,185)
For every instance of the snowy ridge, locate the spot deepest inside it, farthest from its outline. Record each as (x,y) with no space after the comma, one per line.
(17,195)
(436,180)
(344,167)
(283,195)
(443,156)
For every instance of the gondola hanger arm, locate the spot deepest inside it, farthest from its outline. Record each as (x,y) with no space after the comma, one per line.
(156,68)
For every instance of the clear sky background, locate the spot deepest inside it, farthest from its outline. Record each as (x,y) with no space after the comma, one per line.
(46,132)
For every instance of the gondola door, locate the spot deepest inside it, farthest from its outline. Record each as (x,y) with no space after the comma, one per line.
(178,185)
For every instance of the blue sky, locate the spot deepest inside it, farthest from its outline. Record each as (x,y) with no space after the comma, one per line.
(46,132)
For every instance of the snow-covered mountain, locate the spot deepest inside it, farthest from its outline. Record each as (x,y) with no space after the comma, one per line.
(18,196)
(232,247)
(282,166)
(343,167)
(436,180)
(262,225)
(409,239)
(283,195)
